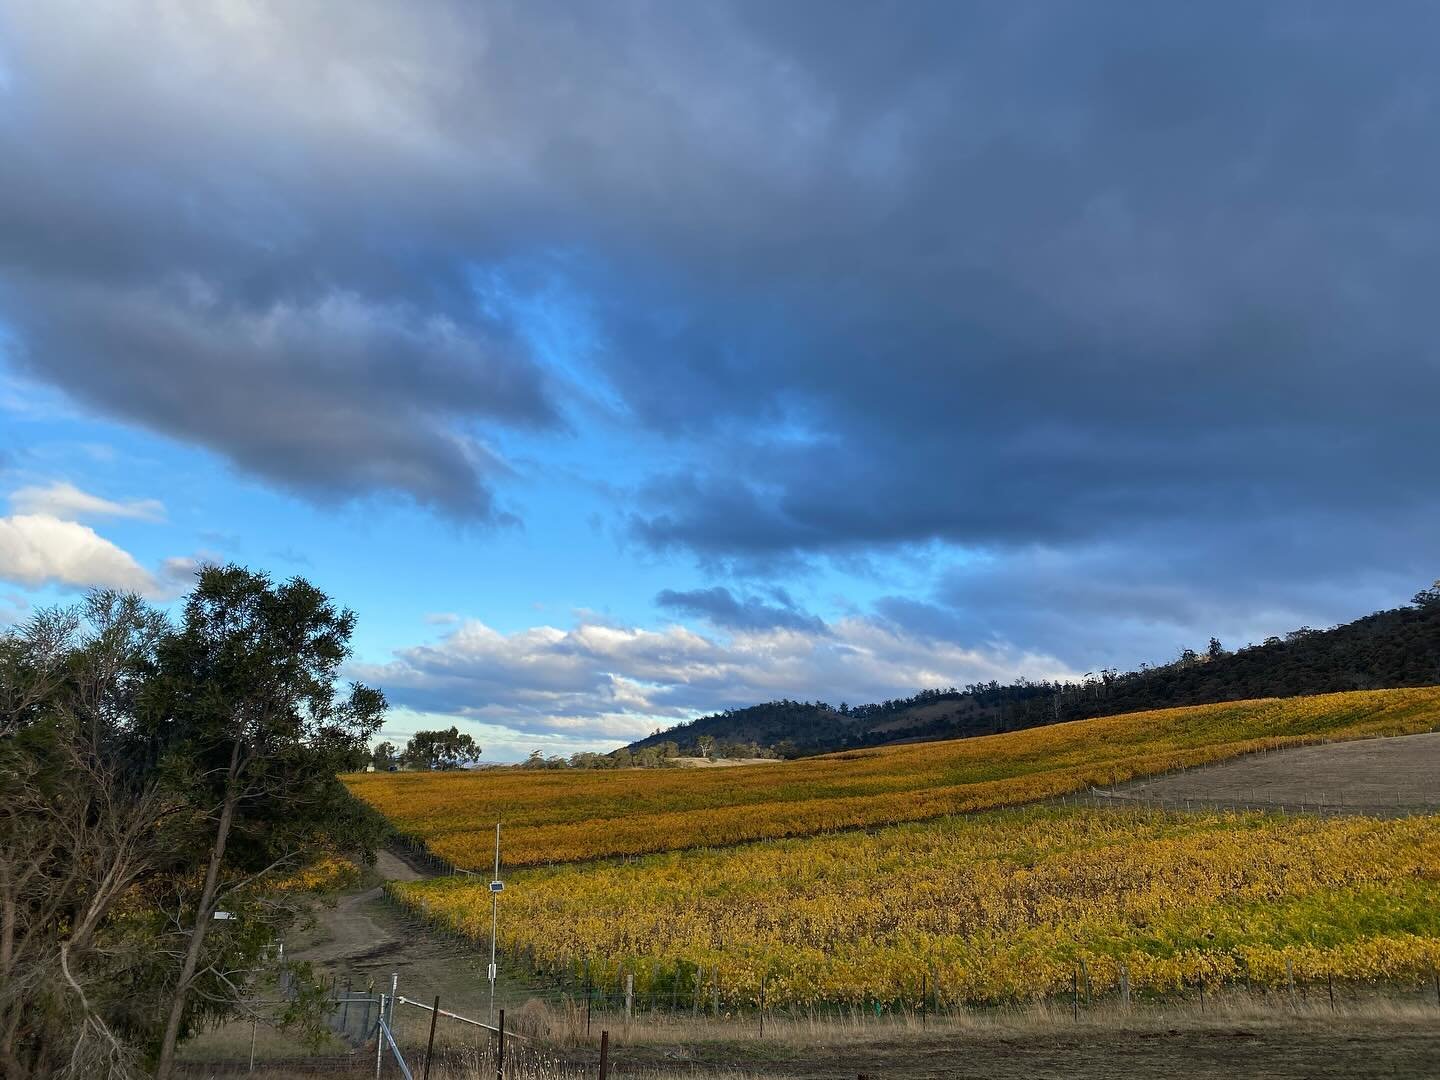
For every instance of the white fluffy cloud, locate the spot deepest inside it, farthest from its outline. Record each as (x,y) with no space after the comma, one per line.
(45,542)
(40,549)
(69,503)
(609,684)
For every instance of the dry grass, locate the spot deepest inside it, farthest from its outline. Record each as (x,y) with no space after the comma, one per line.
(231,1041)
(662,1047)
(566,1026)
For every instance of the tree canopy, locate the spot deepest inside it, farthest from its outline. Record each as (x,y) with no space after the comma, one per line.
(448,749)
(153,770)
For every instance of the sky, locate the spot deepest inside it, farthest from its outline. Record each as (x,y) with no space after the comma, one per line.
(619,363)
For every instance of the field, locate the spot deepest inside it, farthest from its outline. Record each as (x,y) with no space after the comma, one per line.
(570,816)
(1371,776)
(997,907)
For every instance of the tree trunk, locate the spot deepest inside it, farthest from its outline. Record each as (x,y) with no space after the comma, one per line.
(165,1067)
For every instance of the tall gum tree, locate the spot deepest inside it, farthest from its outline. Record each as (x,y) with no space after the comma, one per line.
(248,716)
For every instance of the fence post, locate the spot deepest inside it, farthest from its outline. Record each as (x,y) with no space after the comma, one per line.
(762,1006)
(500,1049)
(604,1055)
(1125,986)
(430,1045)
(1075,993)
(345,1009)
(253,1024)
(629,994)
(715,990)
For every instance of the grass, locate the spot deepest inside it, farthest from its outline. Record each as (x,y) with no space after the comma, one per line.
(1257,1035)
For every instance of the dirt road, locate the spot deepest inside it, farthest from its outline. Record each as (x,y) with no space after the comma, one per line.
(354,932)
(363,937)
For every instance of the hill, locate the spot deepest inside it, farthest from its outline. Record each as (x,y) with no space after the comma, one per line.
(1388,649)
(574,815)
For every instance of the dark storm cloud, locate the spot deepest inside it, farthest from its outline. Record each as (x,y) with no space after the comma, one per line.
(723,608)
(1010,277)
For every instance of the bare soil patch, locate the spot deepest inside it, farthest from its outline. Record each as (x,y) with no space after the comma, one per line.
(1370,776)
(364,938)
(719,763)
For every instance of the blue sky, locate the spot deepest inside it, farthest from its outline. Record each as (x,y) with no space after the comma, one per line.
(621,364)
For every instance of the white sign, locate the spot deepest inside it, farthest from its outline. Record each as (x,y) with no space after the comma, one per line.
(492,972)
(224,915)
(497,886)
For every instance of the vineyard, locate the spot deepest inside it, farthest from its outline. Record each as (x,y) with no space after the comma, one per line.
(567,816)
(994,907)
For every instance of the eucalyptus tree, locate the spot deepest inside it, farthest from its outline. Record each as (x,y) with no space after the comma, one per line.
(248,717)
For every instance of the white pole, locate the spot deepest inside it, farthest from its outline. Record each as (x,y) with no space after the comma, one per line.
(379,1037)
(494,920)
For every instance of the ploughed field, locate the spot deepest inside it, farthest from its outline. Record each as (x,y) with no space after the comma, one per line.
(1371,776)
(566,816)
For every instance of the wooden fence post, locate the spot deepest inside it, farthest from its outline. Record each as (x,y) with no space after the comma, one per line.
(500,1049)
(604,1055)
(629,994)
(430,1045)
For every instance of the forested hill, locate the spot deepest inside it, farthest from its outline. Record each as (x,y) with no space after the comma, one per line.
(1387,649)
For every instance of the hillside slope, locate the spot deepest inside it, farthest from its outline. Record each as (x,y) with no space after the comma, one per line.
(1389,649)
(574,814)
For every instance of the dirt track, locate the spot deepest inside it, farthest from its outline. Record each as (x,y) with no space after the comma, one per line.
(364,937)
(1382,776)
(351,933)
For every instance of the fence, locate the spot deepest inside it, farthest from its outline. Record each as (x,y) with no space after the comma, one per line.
(416,851)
